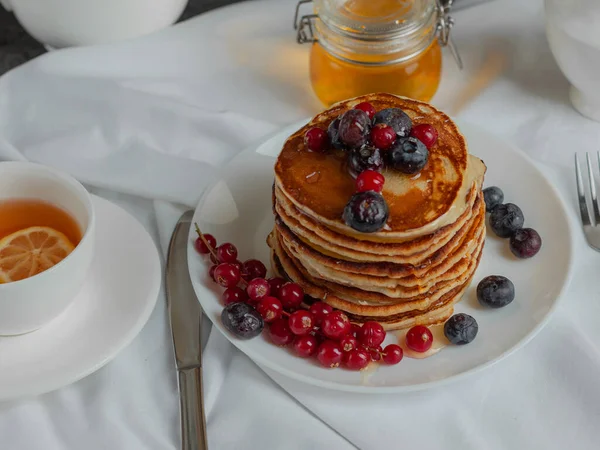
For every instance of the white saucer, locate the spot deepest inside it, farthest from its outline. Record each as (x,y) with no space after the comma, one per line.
(238,210)
(111,309)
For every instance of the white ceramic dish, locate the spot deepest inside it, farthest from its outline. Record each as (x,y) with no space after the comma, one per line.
(109,311)
(574,38)
(29,304)
(238,210)
(64,23)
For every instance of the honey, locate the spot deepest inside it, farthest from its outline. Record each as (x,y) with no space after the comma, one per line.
(376,8)
(365,46)
(334,80)
(18,214)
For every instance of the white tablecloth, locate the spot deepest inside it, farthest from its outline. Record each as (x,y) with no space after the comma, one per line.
(144,123)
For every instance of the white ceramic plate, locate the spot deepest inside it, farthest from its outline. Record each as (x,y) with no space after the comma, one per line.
(110,310)
(238,210)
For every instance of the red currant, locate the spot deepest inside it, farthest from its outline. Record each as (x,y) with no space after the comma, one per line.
(301,322)
(234,294)
(419,339)
(383,136)
(211,272)
(375,353)
(366,107)
(369,180)
(227,252)
(240,267)
(355,329)
(316,139)
(392,354)
(371,334)
(348,343)
(329,354)
(425,133)
(319,311)
(253,268)
(356,359)
(258,289)
(280,332)
(335,325)
(291,295)
(227,275)
(318,336)
(276,284)
(305,346)
(201,246)
(270,309)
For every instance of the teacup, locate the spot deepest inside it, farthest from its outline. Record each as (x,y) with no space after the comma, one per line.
(30,303)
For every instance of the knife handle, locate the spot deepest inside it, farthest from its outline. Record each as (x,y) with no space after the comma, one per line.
(193,421)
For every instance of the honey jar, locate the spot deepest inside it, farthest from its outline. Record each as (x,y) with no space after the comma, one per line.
(366,46)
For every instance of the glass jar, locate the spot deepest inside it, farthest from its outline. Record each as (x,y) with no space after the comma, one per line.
(366,46)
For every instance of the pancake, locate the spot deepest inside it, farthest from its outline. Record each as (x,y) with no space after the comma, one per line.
(352,299)
(393,270)
(437,313)
(380,283)
(323,245)
(286,208)
(319,184)
(419,264)
(332,242)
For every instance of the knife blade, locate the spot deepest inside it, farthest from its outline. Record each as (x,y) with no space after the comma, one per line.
(185,317)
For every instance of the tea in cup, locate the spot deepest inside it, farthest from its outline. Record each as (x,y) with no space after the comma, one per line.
(46,244)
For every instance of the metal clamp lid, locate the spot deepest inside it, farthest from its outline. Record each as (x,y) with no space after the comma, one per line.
(444,26)
(304,25)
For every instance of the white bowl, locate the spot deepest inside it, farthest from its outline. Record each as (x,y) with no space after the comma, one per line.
(28,304)
(572,28)
(65,23)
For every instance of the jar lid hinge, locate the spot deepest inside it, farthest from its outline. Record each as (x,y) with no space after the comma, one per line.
(444,25)
(304,24)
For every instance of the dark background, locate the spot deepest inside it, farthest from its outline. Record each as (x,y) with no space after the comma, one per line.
(17,47)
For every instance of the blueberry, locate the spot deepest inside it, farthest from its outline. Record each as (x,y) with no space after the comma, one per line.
(493,197)
(525,243)
(506,219)
(366,157)
(354,128)
(495,291)
(333,133)
(395,118)
(408,155)
(366,212)
(242,320)
(461,329)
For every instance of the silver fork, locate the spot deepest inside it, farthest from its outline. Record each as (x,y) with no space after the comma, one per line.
(591,228)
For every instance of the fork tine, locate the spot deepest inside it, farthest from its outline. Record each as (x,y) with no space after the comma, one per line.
(592,182)
(583,209)
(598,158)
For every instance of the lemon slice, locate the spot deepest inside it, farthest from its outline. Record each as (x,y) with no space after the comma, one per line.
(30,251)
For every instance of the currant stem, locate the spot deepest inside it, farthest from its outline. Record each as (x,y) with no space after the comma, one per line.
(208,246)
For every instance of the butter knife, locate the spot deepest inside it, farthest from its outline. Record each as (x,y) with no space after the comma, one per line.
(185,317)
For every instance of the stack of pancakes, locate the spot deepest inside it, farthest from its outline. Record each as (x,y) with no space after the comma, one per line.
(418,266)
